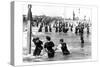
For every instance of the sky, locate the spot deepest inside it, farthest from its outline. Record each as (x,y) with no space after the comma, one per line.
(58,10)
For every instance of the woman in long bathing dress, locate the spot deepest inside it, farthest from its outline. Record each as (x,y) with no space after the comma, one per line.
(48,46)
(38,43)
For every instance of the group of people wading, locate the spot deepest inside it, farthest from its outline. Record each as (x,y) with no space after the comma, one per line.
(65,27)
(48,47)
(59,27)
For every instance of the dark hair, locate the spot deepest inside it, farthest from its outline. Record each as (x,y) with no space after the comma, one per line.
(37,38)
(61,40)
(48,38)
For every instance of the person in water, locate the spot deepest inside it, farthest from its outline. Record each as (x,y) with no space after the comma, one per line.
(64,48)
(48,46)
(38,46)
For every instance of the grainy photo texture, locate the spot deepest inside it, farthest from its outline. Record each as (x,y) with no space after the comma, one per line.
(56,33)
